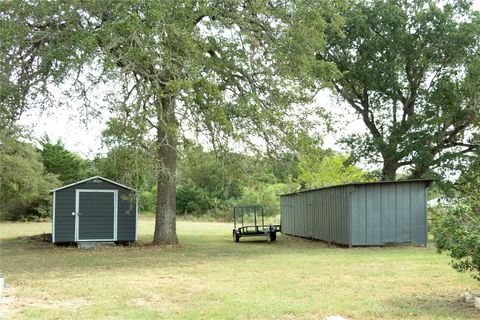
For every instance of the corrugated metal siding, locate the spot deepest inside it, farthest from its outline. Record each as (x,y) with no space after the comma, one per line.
(65,205)
(418,213)
(64,221)
(126,215)
(389,213)
(319,214)
(362,214)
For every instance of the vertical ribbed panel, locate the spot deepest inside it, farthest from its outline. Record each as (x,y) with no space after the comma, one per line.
(359,214)
(388,213)
(319,214)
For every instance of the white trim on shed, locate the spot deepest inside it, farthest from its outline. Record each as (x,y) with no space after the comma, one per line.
(69,206)
(92,178)
(53,216)
(77,213)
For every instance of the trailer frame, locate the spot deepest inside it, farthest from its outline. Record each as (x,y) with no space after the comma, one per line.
(268,231)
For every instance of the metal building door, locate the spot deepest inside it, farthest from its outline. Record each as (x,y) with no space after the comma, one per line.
(96,215)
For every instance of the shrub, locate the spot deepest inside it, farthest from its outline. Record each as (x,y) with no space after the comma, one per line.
(456,231)
(148,200)
(24,184)
(192,199)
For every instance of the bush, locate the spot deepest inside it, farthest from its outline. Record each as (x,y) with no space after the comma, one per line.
(24,184)
(148,200)
(192,199)
(456,231)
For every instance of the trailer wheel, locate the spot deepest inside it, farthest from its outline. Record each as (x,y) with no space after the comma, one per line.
(236,238)
(269,237)
(273,235)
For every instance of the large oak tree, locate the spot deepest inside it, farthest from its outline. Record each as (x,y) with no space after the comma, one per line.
(222,69)
(410,70)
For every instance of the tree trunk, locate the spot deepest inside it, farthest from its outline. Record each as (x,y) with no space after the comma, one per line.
(165,218)
(389,169)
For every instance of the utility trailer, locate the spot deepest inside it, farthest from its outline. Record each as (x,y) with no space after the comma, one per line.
(244,226)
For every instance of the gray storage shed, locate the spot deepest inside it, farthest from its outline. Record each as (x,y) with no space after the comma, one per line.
(95,210)
(359,214)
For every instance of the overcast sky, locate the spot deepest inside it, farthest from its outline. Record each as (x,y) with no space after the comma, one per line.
(85,138)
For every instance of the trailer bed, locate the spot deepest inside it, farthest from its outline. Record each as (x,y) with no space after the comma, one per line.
(268,231)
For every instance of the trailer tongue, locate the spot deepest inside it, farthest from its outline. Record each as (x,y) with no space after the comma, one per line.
(246,224)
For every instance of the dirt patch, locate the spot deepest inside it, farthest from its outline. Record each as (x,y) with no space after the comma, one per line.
(58,304)
(154,301)
(430,304)
(10,303)
(7,302)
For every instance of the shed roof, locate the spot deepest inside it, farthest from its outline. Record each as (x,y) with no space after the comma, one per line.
(92,178)
(426,181)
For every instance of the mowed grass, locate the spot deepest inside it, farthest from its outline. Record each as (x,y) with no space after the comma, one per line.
(210,277)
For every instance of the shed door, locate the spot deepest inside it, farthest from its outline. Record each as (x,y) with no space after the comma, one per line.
(96,215)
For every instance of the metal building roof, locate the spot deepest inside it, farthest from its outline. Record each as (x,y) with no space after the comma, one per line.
(92,178)
(428,181)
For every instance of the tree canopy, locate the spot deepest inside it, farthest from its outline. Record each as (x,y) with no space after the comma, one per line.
(410,70)
(68,166)
(24,182)
(320,168)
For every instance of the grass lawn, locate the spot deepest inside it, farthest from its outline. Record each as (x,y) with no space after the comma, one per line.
(210,277)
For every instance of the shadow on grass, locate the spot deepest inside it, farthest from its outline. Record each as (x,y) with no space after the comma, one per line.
(435,306)
(200,241)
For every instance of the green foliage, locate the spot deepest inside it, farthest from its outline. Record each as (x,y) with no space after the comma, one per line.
(456,230)
(220,174)
(213,182)
(410,70)
(284,167)
(192,199)
(68,166)
(24,183)
(208,181)
(468,184)
(265,195)
(127,165)
(226,69)
(326,168)
(147,200)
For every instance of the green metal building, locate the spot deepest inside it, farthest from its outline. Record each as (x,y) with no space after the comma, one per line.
(94,210)
(359,214)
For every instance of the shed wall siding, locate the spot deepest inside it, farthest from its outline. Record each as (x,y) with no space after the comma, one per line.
(64,220)
(320,214)
(126,215)
(65,204)
(360,214)
(388,213)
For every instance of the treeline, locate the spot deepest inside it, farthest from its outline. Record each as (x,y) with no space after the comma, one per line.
(209,183)
(29,171)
